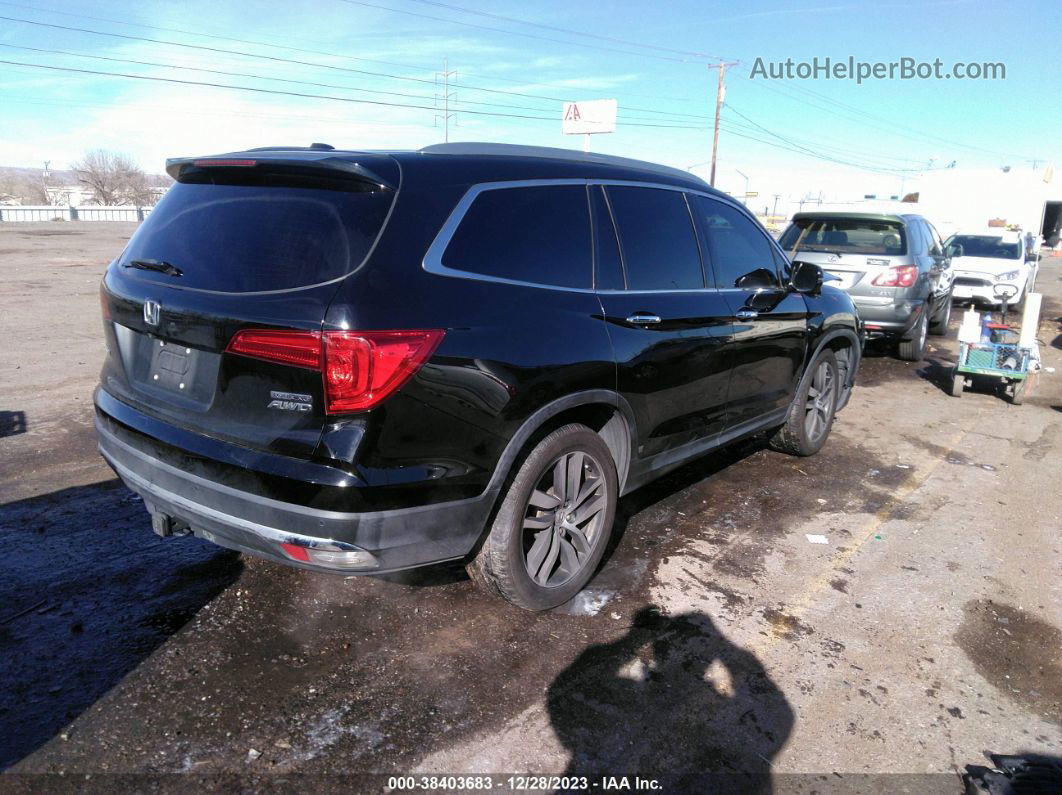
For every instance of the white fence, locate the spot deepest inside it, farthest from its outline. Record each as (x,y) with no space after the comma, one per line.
(87,213)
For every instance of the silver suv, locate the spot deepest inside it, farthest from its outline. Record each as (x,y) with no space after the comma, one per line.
(895,267)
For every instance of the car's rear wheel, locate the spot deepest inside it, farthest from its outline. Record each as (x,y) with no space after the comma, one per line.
(913,347)
(939,327)
(554,521)
(811,413)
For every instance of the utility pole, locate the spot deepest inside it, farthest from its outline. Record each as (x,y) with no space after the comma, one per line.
(720,94)
(774,212)
(445,76)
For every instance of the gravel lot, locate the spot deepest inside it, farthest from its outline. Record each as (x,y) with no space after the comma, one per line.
(924,634)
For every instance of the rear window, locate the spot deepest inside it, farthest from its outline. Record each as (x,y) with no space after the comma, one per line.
(248,238)
(989,246)
(846,235)
(539,235)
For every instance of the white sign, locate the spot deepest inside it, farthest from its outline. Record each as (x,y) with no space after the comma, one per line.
(589,116)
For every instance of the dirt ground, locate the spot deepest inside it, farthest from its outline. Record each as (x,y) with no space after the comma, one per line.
(717,646)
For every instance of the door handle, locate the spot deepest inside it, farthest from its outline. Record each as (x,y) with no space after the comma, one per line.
(746,314)
(640,319)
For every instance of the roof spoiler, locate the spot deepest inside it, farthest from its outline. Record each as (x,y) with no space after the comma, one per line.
(178,167)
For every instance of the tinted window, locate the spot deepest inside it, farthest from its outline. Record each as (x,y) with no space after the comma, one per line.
(535,234)
(244,238)
(936,247)
(608,271)
(656,235)
(992,246)
(740,253)
(855,235)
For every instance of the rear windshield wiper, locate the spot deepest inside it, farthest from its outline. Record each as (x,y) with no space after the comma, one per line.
(154,265)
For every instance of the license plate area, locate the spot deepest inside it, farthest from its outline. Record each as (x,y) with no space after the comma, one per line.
(847,279)
(178,373)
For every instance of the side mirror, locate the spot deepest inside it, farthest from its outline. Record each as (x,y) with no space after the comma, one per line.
(806,277)
(954,250)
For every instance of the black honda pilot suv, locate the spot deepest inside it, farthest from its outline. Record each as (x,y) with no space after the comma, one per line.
(358,362)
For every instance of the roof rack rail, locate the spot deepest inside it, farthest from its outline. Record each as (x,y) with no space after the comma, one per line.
(553,153)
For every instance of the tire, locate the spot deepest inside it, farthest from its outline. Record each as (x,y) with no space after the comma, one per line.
(1017,393)
(939,327)
(912,349)
(958,382)
(534,555)
(797,436)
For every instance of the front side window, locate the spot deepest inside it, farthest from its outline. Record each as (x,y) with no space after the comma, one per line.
(740,253)
(537,234)
(656,237)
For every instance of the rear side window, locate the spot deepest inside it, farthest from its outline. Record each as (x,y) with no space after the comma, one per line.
(846,235)
(537,234)
(657,239)
(740,253)
(247,238)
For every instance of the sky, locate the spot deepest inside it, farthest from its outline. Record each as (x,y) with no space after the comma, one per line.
(515,63)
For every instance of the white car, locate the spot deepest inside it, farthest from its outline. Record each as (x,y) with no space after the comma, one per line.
(989,258)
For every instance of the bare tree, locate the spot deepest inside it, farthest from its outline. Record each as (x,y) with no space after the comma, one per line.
(112,178)
(23,189)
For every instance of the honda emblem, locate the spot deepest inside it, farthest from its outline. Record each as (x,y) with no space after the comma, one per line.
(151,312)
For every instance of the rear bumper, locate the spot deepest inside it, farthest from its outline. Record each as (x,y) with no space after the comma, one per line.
(171,481)
(892,319)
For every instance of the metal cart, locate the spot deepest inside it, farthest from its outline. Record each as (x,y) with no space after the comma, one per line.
(1000,357)
(1003,360)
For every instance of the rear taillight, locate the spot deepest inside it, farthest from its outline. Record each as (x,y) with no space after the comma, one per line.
(360,369)
(300,348)
(897,276)
(363,367)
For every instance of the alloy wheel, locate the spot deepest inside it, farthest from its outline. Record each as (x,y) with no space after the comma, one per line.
(820,402)
(562,519)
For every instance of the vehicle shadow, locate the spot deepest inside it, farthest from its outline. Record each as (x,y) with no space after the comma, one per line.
(938,372)
(12,423)
(671,700)
(86,593)
(681,478)
(627,507)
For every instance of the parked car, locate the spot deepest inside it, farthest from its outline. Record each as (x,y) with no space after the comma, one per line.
(894,266)
(361,362)
(988,258)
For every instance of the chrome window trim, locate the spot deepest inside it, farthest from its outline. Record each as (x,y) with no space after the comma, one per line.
(432,262)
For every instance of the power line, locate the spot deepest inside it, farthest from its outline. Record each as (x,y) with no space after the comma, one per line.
(275,79)
(824,145)
(789,140)
(559,29)
(317,65)
(843,108)
(266,43)
(515,32)
(278,92)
